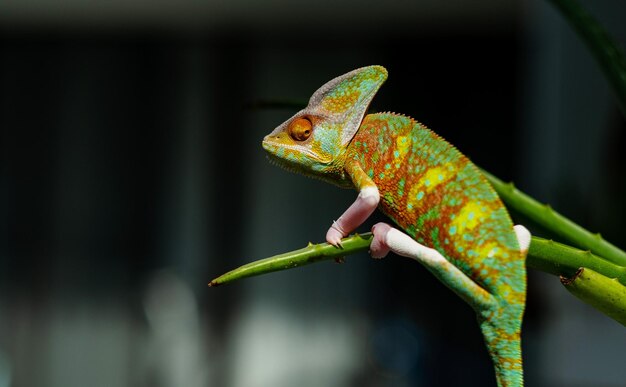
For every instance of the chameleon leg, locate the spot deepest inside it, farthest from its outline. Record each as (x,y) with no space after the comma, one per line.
(354,216)
(360,210)
(387,238)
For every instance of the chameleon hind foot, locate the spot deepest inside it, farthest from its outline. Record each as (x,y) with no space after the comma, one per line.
(387,238)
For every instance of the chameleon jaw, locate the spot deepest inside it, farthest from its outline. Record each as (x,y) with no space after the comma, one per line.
(316,171)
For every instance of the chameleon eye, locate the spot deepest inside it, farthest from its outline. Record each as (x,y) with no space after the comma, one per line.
(300,129)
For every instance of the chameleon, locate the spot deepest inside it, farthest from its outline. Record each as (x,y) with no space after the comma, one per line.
(446,214)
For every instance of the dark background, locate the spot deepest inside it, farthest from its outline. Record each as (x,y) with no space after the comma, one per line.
(132,174)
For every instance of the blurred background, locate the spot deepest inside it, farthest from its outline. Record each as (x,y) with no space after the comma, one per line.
(132,174)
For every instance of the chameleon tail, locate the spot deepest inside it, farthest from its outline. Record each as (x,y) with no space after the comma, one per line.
(501,324)
(504,345)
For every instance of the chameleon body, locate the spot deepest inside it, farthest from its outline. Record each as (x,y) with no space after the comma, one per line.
(453,221)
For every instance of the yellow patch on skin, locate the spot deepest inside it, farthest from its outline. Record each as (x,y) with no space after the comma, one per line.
(412,199)
(402,145)
(470,216)
(433,177)
(489,249)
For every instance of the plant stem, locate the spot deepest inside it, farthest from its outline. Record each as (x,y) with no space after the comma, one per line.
(307,255)
(609,55)
(545,216)
(605,294)
(562,260)
(544,255)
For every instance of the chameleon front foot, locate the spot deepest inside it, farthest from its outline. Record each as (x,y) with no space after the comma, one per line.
(354,216)
(335,233)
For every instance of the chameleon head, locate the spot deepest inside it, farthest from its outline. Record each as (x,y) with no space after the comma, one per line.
(311,140)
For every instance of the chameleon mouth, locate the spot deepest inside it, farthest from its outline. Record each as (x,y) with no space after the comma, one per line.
(272,150)
(267,143)
(275,147)
(275,154)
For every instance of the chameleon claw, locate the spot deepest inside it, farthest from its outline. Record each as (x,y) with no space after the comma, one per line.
(334,235)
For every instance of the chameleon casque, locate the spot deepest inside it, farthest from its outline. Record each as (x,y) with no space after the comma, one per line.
(452,220)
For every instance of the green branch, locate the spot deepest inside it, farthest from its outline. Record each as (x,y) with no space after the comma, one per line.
(310,254)
(605,294)
(562,260)
(609,55)
(544,255)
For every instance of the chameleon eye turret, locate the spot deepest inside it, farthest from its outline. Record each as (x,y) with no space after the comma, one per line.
(300,129)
